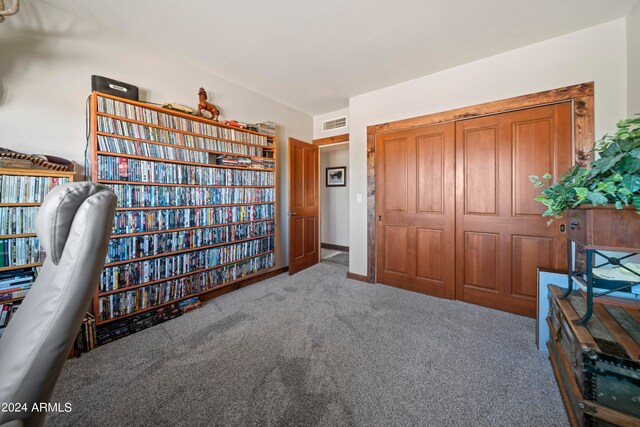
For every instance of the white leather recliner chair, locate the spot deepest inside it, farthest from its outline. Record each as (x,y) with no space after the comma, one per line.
(73,225)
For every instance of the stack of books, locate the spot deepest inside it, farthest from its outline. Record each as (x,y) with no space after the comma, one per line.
(15,283)
(6,313)
(86,339)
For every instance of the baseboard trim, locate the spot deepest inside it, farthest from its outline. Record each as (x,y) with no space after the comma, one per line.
(355,276)
(235,286)
(334,247)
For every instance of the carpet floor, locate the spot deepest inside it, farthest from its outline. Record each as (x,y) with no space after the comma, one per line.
(341,258)
(318,349)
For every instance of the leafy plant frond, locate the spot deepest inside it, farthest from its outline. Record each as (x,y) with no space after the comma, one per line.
(613,178)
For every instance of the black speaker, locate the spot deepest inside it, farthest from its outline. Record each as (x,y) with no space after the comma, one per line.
(114,87)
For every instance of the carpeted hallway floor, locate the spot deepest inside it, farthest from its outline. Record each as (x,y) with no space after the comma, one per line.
(318,349)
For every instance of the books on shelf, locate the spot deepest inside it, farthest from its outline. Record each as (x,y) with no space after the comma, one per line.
(86,338)
(196,210)
(7,311)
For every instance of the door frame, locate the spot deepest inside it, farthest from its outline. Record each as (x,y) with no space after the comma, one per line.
(581,97)
(340,140)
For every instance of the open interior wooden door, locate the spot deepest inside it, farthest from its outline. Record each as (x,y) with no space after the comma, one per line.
(304,188)
(501,237)
(415,209)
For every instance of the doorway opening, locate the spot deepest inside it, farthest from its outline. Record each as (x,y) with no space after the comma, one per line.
(334,203)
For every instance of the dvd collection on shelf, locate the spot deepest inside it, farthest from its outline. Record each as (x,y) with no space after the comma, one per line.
(147,221)
(138,322)
(124,169)
(152,196)
(196,210)
(127,274)
(146,245)
(27,189)
(115,305)
(152,116)
(7,310)
(14,286)
(18,220)
(17,251)
(21,192)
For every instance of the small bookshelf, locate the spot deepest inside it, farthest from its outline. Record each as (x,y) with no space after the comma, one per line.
(196,205)
(21,193)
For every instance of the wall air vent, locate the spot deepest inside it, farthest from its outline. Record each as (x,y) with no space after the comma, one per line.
(339,123)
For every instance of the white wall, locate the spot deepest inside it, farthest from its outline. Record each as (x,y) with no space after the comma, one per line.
(48,56)
(594,54)
(633,61)
(334,201)
(317,124)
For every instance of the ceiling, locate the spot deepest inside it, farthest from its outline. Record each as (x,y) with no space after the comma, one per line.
(314,55)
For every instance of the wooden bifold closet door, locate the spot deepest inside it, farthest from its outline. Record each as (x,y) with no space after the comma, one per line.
(415,204)
(456,215)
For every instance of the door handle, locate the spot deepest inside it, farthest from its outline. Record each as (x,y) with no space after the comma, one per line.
(292,214)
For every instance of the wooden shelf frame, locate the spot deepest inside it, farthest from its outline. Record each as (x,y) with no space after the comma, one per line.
(95,152)
(178,114)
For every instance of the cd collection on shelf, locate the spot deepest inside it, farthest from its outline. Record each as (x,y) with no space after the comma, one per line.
(196,209)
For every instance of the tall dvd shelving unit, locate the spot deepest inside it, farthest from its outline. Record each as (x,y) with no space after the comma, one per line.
(196,204)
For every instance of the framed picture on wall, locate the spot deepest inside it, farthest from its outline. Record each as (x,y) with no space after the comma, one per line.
(337,177)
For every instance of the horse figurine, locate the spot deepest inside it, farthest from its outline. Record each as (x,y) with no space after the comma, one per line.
(206,108)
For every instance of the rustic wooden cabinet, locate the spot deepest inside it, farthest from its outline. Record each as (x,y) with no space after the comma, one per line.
(596,365)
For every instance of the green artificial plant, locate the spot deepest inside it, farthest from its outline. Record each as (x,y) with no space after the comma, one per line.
(614,178)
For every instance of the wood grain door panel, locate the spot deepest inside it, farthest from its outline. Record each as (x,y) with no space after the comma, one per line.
(415,209)
(303,206)
(502,238)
